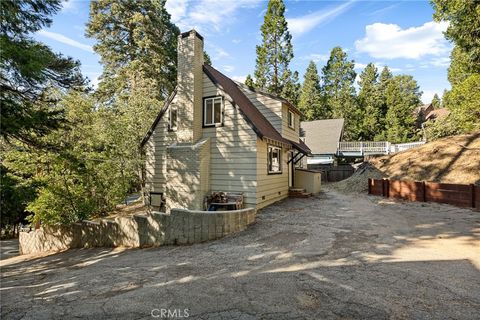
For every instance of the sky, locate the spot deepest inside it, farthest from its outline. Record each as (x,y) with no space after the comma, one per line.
(399,34)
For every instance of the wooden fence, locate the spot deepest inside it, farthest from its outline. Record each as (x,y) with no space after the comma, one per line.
(332,173)
(460,195)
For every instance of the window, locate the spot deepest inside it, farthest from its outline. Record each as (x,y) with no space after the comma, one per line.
(291,119)
(274,160)
(172,119)
(212,111)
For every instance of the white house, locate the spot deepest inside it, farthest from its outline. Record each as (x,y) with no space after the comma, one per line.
(215,134)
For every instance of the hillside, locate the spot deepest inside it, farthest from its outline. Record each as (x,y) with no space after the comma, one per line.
(450,160)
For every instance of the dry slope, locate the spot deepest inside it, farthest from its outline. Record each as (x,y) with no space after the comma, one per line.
(451,160)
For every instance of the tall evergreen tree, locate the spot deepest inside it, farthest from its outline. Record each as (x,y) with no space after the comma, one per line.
(436,102)
(464,71)
(310,103)
(137,43)
(27,69)
(369,103)
(206,58)
(464,103)
(463,26)
(402,97)
(291,90)
(460,67)
(249,81)
(385,77)
(272,71)
(135,39)
(338,89)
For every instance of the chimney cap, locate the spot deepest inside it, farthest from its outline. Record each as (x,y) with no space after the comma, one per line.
(187,33)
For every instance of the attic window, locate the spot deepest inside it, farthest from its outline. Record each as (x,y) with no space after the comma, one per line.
(212,111)
(274,160)
(291,119)
(172,119)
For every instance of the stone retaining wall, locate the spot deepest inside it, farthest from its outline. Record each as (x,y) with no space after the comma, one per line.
(155,229)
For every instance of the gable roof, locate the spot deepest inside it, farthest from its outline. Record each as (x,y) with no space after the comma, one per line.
(422,109)
(289,105)
(258,122)
(261,126)
(437,113)
(322,136)
(159,117)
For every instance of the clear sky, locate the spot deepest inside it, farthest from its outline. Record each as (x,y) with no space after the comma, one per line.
(400,34)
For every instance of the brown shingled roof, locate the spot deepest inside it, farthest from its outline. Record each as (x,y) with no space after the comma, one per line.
(437,113)
(159,117)
(261,126)
(289,105)
(259,123)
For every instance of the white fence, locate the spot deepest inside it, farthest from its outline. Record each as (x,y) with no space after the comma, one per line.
(405,146)
(361,148)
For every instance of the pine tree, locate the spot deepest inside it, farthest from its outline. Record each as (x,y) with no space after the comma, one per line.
(463,101)
(402,97)
(206,58)
(272,72)
(370,104)
(385,77)
(28,69)
(436,102)
(338,90)
(134,39)
(310,98)
(463,74)
(460,67)
(291,90)
(249,81)
(463,26)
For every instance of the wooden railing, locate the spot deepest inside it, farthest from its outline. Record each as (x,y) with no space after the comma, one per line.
(405,146)
(361,148)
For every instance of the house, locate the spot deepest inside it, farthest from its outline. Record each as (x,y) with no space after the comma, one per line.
(322,136)
(214,134)
(437,114)
(420,113)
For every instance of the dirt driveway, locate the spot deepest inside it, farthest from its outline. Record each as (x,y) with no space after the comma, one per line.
(334,256)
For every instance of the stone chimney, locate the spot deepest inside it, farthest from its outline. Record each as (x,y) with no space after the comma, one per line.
(190,86)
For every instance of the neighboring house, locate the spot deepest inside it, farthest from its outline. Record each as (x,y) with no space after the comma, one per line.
(420,113)
(437,114)
(214,134)
(322,137)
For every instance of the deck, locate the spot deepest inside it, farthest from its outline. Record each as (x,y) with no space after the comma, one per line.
(365,148)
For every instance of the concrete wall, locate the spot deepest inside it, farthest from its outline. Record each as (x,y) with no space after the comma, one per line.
(311,181)
(156,229)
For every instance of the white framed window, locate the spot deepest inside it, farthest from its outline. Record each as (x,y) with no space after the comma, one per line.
(172,119)
(291,119)
(274,159)
(212,111)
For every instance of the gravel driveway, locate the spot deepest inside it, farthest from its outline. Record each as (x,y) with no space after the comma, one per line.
(333,256)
